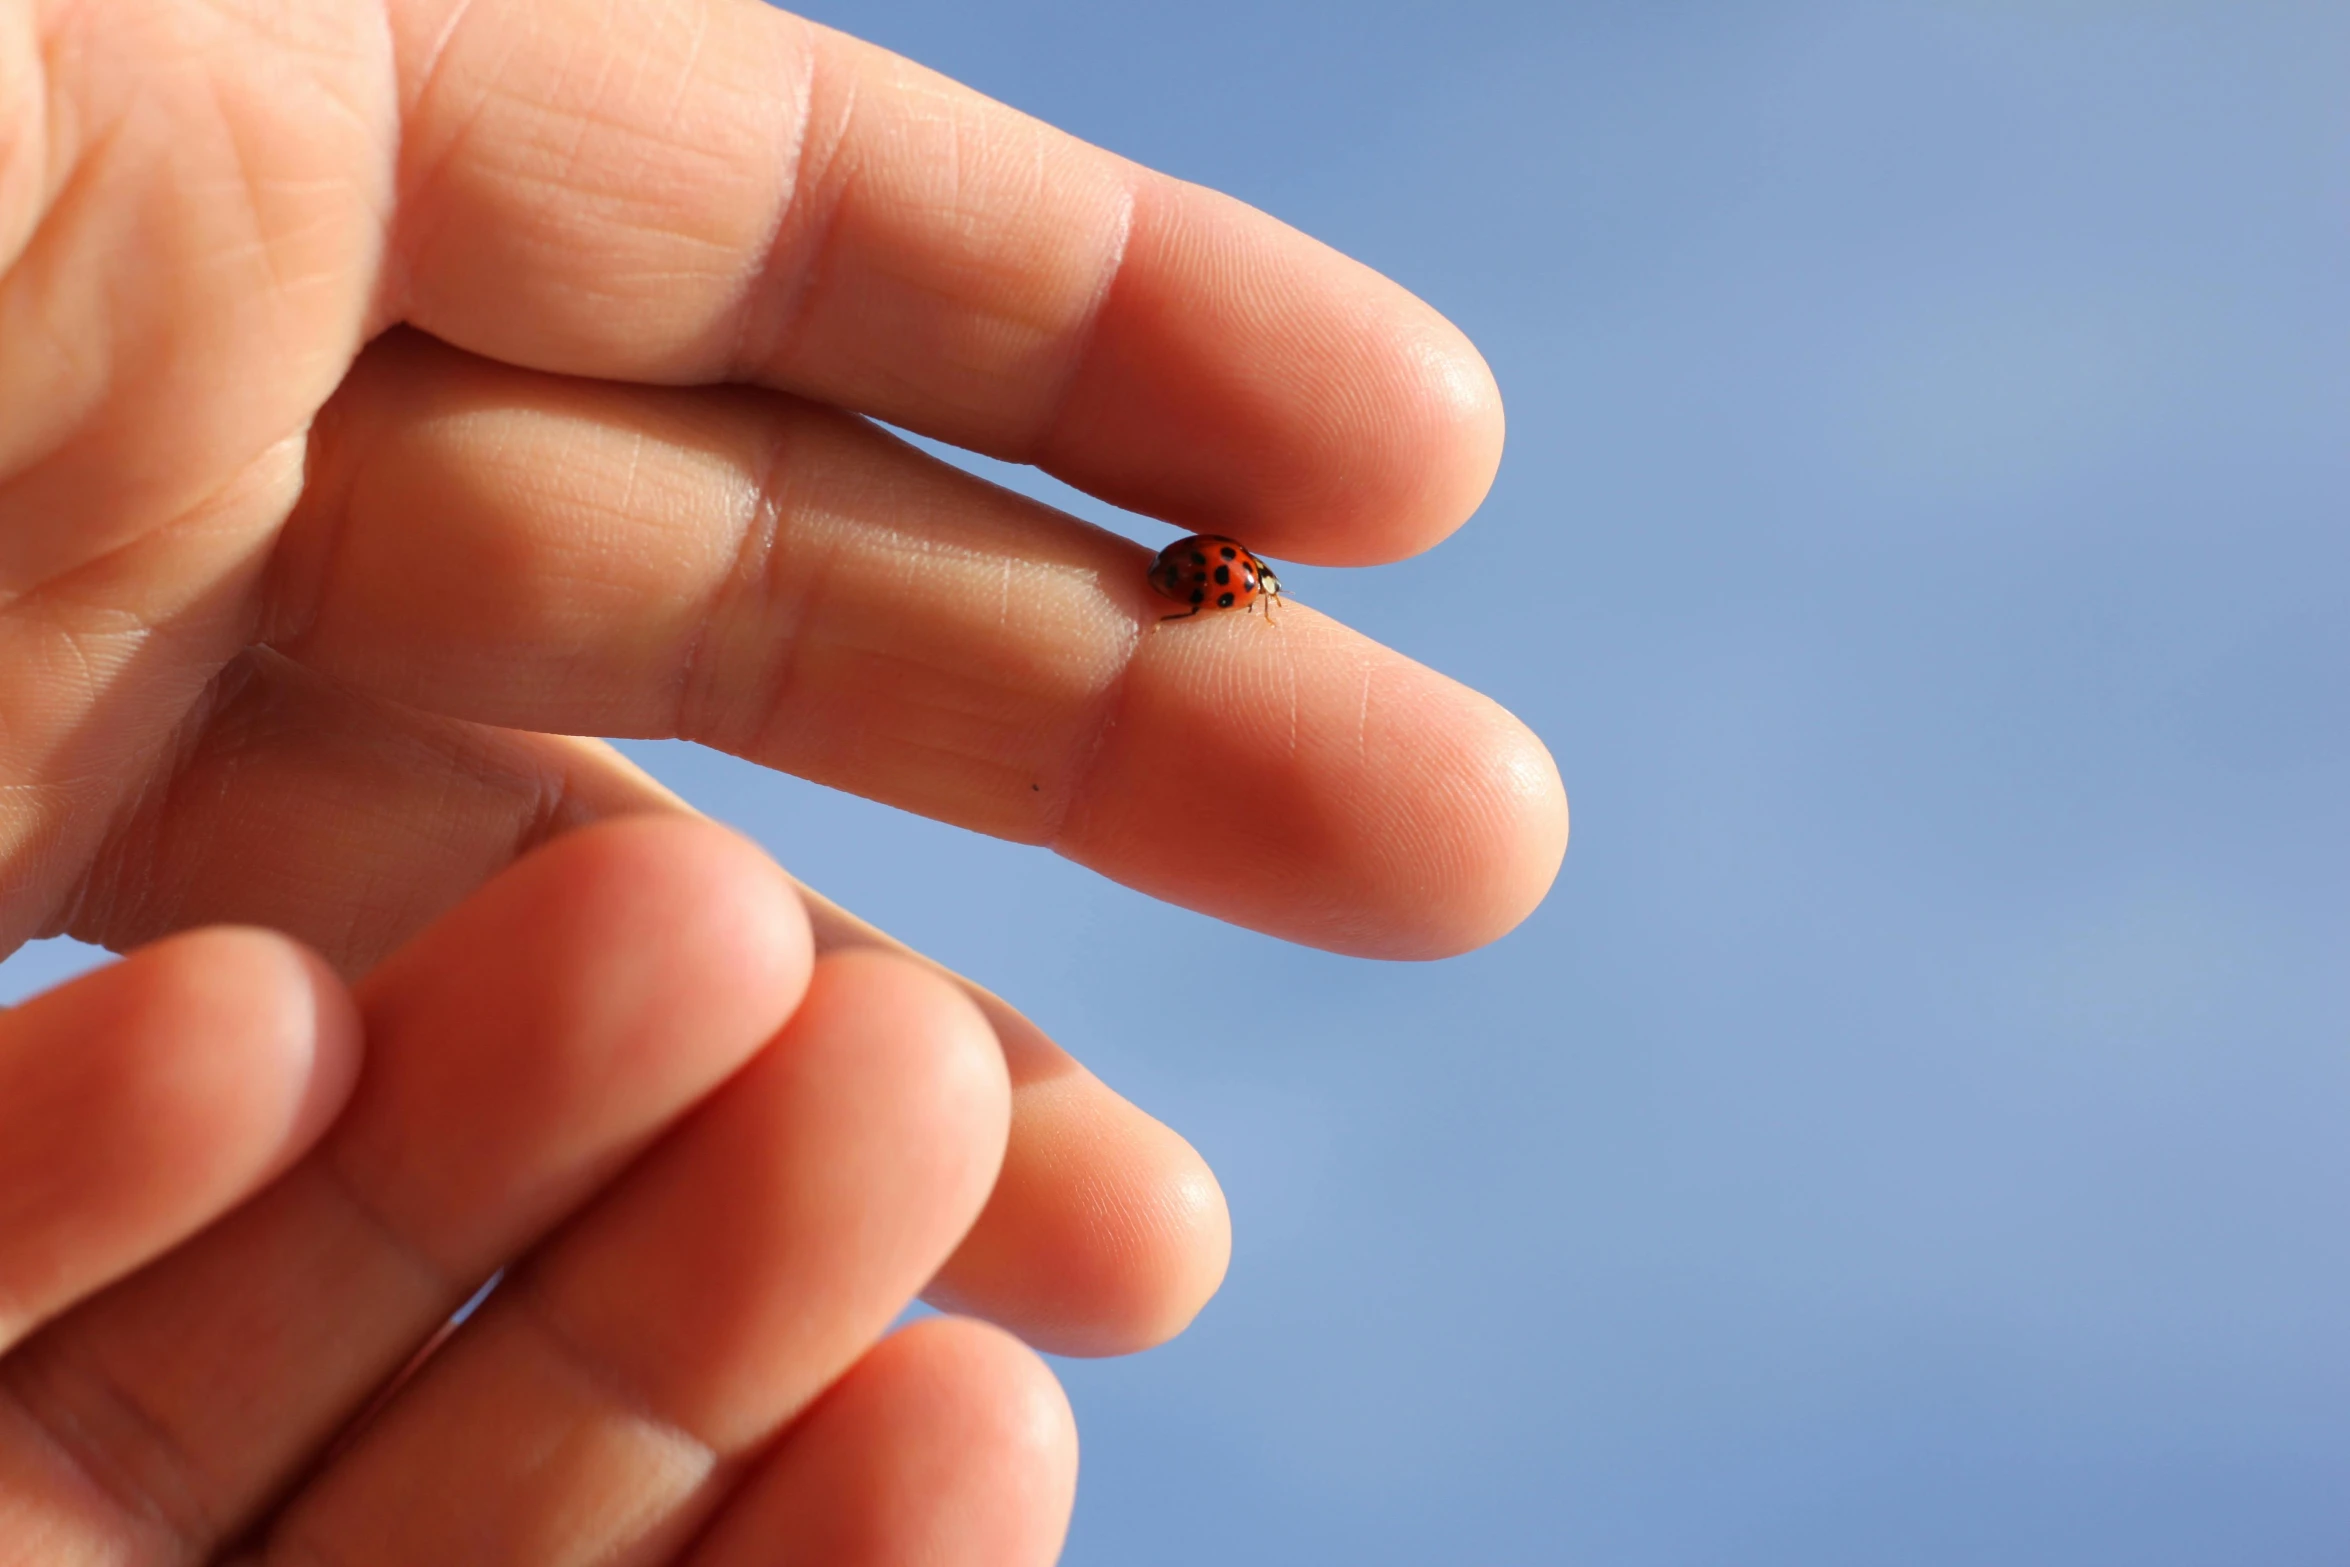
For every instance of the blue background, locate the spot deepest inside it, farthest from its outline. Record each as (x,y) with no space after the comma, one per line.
(1917,1129)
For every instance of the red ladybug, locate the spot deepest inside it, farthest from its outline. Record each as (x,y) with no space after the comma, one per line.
(1208,571)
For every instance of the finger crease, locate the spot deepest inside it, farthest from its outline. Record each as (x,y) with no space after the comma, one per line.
(399,256)
(760,278)
(1108,710)
(748,581)
(440,1282)
(808,180)
(811,183)
(1082,339)
(600,1374)
(113,1442)
(553,812)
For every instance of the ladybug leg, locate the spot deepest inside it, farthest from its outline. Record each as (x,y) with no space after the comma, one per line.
(1186,615)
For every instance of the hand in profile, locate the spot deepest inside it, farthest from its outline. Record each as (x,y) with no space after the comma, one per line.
(389,390)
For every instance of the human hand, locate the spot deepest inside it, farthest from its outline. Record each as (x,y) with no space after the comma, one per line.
(358,430)
(714,1166)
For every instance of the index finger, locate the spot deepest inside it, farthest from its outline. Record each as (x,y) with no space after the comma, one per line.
(707,190)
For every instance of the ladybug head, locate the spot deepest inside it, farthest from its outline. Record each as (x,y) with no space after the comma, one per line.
(1267,583)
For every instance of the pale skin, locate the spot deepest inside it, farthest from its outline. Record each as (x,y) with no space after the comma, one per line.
(389,390)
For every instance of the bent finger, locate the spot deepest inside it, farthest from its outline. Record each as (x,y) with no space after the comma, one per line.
(140,1102)
(949,1444)
(602,1403)
(354,822)
(521,1050)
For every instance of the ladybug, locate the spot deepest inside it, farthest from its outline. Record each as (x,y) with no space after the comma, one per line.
(1209,571)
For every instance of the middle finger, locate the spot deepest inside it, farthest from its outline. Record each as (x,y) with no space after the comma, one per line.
(790,584)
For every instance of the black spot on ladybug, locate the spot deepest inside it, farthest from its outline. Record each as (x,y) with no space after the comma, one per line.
(1230,553)
(1197,559)
(1223,601)
(1223,575)
(1197,594)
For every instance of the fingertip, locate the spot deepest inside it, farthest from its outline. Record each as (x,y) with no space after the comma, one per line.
(1105,1232)
(658,910)
(1500,838)
(989,1390)
(709,891)
(1122,1263)
(311,1024)
(1425,444)
(918,1033)
(1321,788)
(247,1038)
(1245,378)
(1449,438)
(143,1100)
(948,1442)
(1190,1225)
